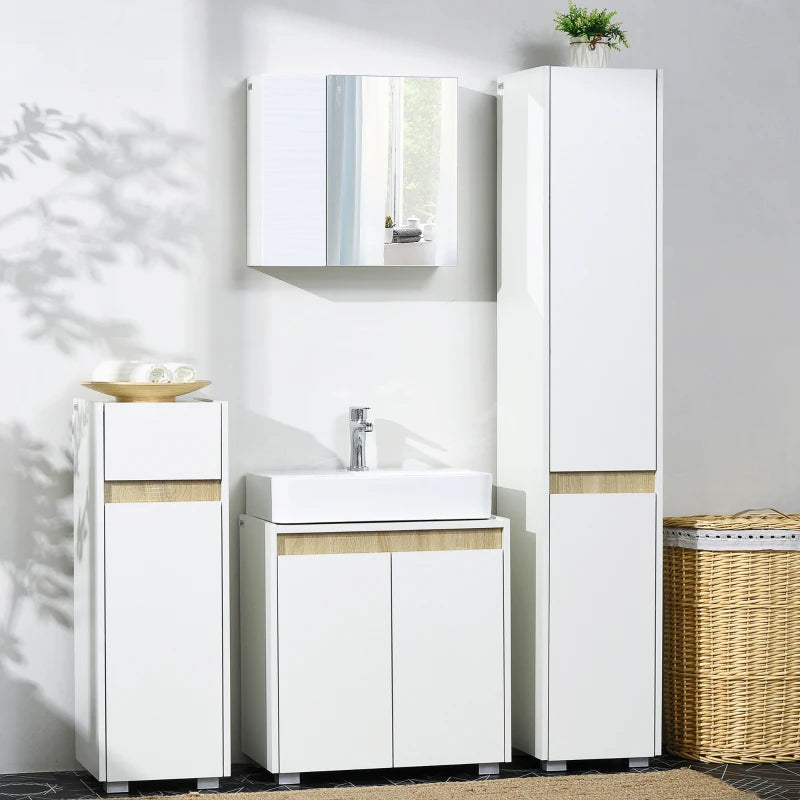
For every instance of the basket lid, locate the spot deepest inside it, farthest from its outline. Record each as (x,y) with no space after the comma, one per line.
(749,519)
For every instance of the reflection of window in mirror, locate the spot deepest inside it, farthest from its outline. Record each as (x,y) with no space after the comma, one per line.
(414,149)
(391,153)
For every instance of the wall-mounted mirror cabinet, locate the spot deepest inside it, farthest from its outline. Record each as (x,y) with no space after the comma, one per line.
(351,170)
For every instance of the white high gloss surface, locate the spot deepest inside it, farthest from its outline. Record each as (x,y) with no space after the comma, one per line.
(136,717)
(603,626)
(383,495)
(579,389)
(448,657)
(336,716)
(603,345)
(174,550)
(286,170)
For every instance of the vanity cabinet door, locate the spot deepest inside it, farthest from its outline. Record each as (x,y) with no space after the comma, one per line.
(602,625)
(447,624)
(164,640)
(334,662)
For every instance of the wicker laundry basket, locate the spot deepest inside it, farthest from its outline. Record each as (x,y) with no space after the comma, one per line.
(732,637)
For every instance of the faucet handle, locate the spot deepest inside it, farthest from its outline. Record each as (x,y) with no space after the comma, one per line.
(358,413)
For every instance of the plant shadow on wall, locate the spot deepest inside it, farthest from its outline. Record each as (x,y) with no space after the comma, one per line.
(95,198)
(78,200)
(35,570)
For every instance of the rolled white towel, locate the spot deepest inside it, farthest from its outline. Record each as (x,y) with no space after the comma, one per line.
(181,373)
(134,371)
(143,372)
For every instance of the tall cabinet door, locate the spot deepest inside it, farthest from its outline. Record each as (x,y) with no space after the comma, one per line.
(603,269)
(602,626)
(447,622)
(334,662)
(164,651)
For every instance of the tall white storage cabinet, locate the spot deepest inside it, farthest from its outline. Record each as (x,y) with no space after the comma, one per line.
(152,681)
(579,407)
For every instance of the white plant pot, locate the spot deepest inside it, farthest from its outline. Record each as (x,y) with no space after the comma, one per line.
(387,235)
(585,54)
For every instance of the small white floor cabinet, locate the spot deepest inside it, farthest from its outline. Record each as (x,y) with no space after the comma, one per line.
(579,459)
(152,696)
(375,645)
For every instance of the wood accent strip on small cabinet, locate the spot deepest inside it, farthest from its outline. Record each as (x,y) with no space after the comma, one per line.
(602,482)
(306,544)
(162,491)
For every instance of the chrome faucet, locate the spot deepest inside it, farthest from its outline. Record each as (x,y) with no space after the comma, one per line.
(359,428)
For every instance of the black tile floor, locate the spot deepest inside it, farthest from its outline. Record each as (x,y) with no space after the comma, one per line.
(768,781)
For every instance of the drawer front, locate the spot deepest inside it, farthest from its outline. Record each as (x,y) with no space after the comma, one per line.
(163,441)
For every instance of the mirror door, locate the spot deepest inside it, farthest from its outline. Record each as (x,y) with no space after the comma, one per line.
(391,171)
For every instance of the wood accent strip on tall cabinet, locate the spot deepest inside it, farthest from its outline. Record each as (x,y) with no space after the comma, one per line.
(602,482)
(162,491)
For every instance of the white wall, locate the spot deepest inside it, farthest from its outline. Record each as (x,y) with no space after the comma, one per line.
(125,236)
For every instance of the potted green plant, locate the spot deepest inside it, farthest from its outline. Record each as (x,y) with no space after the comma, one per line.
(388,230)
(592,35)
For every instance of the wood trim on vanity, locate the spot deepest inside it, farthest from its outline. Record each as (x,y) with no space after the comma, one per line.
(602,482)
(305,544)
(162,491)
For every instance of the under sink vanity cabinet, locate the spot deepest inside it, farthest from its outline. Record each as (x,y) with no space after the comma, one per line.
(152,698)
(374,644)
(579,407)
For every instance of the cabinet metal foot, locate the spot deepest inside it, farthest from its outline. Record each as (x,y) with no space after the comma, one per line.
(207,783)
(287,778)
(115,787)
(634,763)
(554,766)
(489,769)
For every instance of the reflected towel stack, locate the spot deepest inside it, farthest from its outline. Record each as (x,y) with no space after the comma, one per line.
(143,372)
(406,235)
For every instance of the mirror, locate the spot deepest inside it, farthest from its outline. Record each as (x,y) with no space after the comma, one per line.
(330,158)
(391,171)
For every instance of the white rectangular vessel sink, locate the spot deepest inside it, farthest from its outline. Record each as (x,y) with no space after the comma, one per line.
(381,495)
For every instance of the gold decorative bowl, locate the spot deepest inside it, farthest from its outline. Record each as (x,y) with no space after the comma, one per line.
(136,392)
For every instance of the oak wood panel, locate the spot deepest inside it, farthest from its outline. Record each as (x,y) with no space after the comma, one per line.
(302,544)
(161,491)
(602,482)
